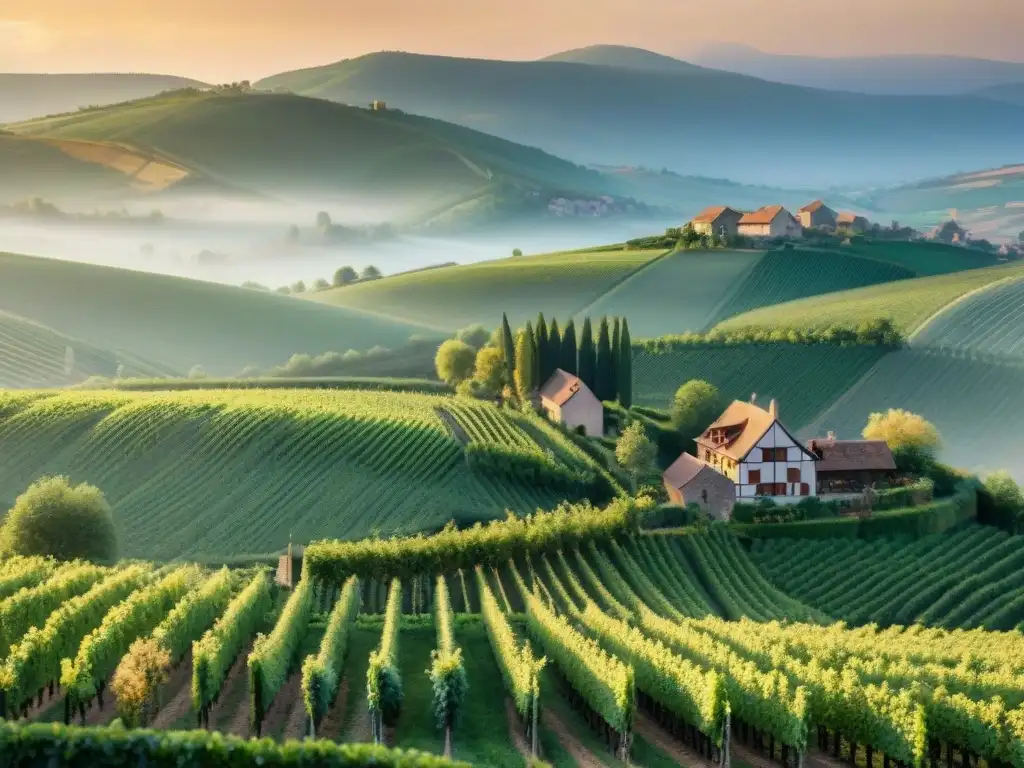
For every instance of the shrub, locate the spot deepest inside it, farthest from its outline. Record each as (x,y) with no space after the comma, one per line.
(142,670)
(696,405)
(634,451)
(370,273)
(454,361)
(54,518)
(345,276)
(903,431)
(320,284)
(474,335)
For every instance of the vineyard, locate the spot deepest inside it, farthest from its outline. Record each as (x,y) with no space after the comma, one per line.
(183,322)
(908,303)
(454,297)
(221,473)
(973,578)
(805,379)
(611,645)
(989,322)
(787,275)
(974,403)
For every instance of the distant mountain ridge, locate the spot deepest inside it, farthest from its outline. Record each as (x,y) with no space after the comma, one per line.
(24,96)
(917,75)
(693,120)
(622,56)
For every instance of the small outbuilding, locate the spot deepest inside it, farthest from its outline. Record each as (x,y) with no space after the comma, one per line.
(692,481)
(567,400)
(850,466)
(716,220)
(852,222)
(289,567)
(817,215)
(770,221)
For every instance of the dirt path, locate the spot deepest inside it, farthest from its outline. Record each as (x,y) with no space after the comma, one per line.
(96,716)
(49,701)
(360,730)
(647,727)
(818,759)
(295,725)
(515,730)
(751,756)
(176,696)
(457,431)
(580,754)
(238,719)
(334,722)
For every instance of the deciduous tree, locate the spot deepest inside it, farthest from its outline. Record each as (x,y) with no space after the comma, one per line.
(696,405)
(635,452)
(454,361)
(345,276)
(904,431)
(490,370)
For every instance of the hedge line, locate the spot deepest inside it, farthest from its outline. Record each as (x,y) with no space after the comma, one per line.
(917,521)
(870,333)
(28,746)
(425,386)
(536,469)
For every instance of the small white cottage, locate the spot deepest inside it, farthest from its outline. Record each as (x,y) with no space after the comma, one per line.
(566,399)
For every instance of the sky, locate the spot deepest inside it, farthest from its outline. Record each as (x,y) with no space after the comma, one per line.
(223,40)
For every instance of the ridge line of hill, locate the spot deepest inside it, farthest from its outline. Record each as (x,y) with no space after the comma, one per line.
(621,282)
(814,425)
(957,301)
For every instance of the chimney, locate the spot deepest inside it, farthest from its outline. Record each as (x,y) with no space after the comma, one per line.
(753,398)
(773,408)
(831,438)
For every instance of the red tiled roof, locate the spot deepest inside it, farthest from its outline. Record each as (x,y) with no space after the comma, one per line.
(710,214)
(852,455)
(764,215)
(812,207)
(846,217)
(561,387)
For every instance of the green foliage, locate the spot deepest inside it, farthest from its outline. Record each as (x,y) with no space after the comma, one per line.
(369,273)
(695,406)
(1001,502)
(383,680)
(215,652)
(878,332)
(119,748)
(454,361)
(624,367)
(321,673)
(508,348)
(60,520)
(604,372)
(903,430)
(979,324)
(634,451)
(475,335)
(489,370)
(526,364)
(554,351)
(533,468)
(587,365)
(344,276)
(491,544)
(273,655)
(447,673)
(569,355)
(24,572)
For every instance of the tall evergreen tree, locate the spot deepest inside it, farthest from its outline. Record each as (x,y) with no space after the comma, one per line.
(587,356)
(625,372)
(616,340)
(604,388)
(526,382)
(554,349)
(570,363)
(540,346)
(508,349)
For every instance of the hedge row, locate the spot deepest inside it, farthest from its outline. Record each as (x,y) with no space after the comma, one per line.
(871,333)
(28,746)
(917,521)
(535,469)
(425,386)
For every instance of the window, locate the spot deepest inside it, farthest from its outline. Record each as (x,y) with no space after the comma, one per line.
(780,489)
(753,476)
(793,475)
(805,489)
(773,454)
(764,490)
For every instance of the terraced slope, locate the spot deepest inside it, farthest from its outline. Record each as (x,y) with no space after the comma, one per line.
(559,284)
(804,379)
(229,472)
(922,257)
(974,403)
(990,321)
(786,275)
(968,579)
(908,303)
(32,355)
(183,323)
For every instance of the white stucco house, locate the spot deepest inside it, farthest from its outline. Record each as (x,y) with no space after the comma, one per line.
(751,447)
(566,399)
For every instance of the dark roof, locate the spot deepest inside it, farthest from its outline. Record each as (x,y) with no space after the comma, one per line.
(561,387)
(852,455)
(683,470)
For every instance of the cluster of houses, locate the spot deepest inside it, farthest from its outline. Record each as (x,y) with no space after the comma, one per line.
(775,221)
(746,454)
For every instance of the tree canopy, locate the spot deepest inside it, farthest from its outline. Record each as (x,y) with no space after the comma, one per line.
(696,404)
(57,519)
(454,361)
(634,451)
(904,431)
(345,276)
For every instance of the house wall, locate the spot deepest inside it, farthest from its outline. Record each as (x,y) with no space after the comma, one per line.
(755,230)
(714,493)
(785,225)
(777,471)
(582,409)
(821,218)
(727,221)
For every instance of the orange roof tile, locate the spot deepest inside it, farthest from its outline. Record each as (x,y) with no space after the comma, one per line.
(765,215)
(708,215)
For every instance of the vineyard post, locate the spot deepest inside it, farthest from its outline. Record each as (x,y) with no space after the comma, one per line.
(536,717)
(726,761)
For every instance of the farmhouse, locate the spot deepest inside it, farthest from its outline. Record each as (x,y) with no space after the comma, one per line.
(850,466)
(692,481)
(817,215)
(852,222)
(717,220)
(769,221)
(751,447)
(566,399)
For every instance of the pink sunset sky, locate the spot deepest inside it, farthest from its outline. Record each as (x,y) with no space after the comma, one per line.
(219,40)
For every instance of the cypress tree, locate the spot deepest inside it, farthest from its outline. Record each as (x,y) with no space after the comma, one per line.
(508,349)
(569,362)
(616,341)
(604,388)
(526,382)
(625,372)
(554,349)
(588,356)
(540,346)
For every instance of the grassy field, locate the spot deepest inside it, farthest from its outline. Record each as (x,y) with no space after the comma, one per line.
(560,284)
(908,303)
(968,579)
(974,403)
(990,321)
(219,473)
(183,323)
(794,274)
(33,167)
(677,293)
(922,257)
(804,379)
(32,355)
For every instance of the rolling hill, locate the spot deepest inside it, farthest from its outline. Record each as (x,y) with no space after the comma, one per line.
(287,145)
(989,320)
(696,120)
(183,323)
(622,56)
(1012,93)
(23,96)
(889,75)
